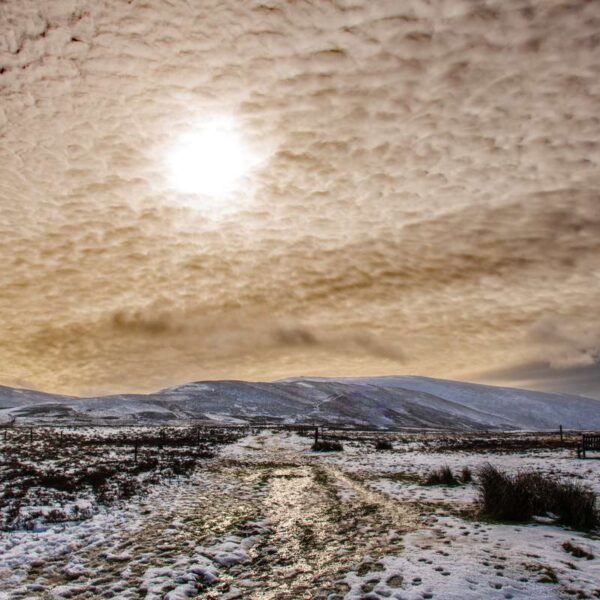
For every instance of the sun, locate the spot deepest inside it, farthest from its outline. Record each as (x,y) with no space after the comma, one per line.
(211,160)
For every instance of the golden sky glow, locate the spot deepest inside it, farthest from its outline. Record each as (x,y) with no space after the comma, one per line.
(226,189)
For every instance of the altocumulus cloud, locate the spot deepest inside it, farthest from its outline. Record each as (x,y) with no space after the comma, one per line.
(429,195)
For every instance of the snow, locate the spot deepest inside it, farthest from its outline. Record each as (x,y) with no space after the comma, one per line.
(20,551)
(561,463)
(457,560)
(384,402)
(235,530)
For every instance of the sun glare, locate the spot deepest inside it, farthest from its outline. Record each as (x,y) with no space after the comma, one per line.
(211,160)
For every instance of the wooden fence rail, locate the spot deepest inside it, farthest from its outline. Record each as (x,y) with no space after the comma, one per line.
(588,442)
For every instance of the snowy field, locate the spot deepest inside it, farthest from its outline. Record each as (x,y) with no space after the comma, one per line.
(262,516)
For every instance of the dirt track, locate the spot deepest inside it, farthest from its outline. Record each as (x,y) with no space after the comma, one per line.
(302,524)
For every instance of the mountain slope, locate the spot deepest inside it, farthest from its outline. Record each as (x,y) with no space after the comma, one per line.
(383,402)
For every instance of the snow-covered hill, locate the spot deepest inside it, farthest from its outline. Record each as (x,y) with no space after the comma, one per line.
(384,402)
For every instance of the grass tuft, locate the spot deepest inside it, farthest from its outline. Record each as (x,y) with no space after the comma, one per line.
(466,476)
(576,551)
(441,476)
(519,497)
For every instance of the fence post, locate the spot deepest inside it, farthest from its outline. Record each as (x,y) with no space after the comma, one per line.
(561,434)
(316,435)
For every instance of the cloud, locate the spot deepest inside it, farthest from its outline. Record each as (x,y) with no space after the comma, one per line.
(581,380)
(241,332)
(566,344)
(560,354)
(429,193)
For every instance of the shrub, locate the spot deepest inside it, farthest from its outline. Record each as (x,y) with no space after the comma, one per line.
(57,481)
(182,466)
(327,446)
(465,475)
(382,444)
(441,476)
(97,477)
(56,516)
(55,470)
(144,465)
(519,497)
(128,488)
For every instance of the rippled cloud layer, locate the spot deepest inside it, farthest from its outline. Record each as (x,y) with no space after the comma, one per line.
(426,200)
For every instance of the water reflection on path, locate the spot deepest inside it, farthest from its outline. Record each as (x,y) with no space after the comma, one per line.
(267,520)
(322,524)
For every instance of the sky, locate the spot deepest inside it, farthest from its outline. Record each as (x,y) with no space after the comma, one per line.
(208,189)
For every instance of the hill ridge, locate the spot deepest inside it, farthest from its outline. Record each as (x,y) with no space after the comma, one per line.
(382,402)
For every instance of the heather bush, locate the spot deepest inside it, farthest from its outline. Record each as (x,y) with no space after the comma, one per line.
(383,444)
(327,446)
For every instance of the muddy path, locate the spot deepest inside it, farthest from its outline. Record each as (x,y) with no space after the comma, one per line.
(265,521)
(321,525)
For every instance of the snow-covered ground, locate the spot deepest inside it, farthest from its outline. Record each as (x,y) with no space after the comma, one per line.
(454,557)
(268,518)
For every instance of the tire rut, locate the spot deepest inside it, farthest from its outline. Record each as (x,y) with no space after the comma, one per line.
(322,525)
